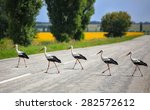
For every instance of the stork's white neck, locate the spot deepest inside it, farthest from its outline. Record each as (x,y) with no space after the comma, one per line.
(102,55)
(45,49)
(71,49)
(131,56)
(17,48)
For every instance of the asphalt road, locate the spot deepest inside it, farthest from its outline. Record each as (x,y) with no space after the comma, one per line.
(90,80)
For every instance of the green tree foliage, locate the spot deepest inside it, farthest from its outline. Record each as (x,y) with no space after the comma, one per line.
(22,15)
(87,10)
(69,18)
(116,23)
(3,20)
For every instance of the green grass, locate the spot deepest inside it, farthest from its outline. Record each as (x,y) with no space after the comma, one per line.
(34,49)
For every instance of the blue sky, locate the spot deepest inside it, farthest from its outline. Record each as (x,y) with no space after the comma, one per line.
(138,9)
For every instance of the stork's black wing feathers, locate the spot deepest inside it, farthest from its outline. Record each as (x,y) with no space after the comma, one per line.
(79,56)
(23,55)
(83,57)
(56,59)
(111,61)
(141,63)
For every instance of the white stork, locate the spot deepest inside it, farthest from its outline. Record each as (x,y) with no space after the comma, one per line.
(107,61)
(137,63)
(77,56)
(51,58)
(21,54)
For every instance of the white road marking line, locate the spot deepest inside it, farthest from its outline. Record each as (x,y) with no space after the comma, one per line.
(93,55)
(68,62)
(18,77)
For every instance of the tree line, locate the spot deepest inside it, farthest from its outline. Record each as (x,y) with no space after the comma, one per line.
(69,19)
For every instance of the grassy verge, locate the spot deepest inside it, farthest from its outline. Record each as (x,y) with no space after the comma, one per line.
(34,49)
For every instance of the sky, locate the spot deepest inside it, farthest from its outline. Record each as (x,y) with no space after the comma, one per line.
(139,10)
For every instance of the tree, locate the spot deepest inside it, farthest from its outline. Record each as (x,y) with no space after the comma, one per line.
(87,10)
(141,26)
(3,20)
(69,18)
(116,23)
(22,15)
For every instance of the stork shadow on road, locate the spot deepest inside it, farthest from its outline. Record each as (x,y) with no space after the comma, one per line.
(72,68)
(49,72)
(104,74)
(131,76)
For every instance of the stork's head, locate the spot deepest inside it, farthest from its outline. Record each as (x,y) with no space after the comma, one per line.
(129,53)
(16,46)
(71,47)
(44,48)
(100,51)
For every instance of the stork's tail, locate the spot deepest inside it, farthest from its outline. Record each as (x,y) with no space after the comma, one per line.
(59,61)
(83,57)
(112,61)
(116,63)
(56,59)
(25,55)
(143,63)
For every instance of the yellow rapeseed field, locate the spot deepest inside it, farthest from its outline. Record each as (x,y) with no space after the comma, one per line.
(47,36)
(94,35)
(134,34)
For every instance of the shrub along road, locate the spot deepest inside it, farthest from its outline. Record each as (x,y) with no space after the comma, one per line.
(33,78)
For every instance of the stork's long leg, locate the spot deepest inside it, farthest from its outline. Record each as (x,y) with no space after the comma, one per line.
(18,62)
(134,70)
(25,62)
(56,67)
(109,70)
(80,64)
(140,71)
(48,67)
(106,69)
(75,64)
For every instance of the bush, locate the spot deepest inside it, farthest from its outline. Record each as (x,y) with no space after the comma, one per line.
(63,37)
(116,23)
(6,43)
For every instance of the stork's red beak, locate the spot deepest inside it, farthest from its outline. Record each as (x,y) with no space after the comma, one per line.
(98,52)
(14,46)
(128,54)
(69,47)
(41,49)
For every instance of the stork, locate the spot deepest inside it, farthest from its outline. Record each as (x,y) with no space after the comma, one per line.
(108,61)
(21,54)
(137,63)
(77,56)
(51,58)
